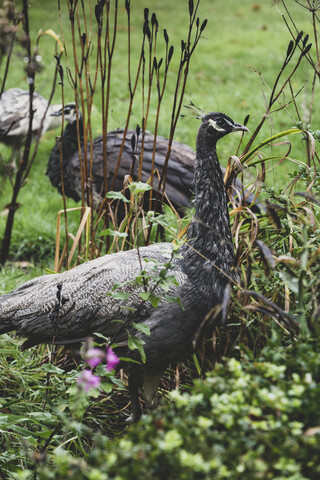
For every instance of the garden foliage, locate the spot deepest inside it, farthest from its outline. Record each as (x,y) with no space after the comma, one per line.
(253,410)
(254,419)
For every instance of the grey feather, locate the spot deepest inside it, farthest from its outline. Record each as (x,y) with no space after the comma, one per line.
(14,118)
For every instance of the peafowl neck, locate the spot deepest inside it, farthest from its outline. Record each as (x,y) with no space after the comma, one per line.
(70,138)
(208,254)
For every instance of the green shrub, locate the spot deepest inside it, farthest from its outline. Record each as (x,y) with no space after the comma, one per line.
(249,419)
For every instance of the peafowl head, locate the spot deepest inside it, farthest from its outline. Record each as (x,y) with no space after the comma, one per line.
(216,125)
(70,135)
(69,112)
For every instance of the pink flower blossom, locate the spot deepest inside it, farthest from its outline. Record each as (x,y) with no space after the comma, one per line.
(112,359)
(87,380)
(94,356)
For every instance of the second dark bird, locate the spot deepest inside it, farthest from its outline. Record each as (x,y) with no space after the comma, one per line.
(180,169)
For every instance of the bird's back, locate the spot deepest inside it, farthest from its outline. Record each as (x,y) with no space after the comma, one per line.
(14,115)
(81,301)
(179,171)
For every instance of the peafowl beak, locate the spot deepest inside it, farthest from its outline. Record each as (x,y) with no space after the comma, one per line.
(57,113)
(237,127)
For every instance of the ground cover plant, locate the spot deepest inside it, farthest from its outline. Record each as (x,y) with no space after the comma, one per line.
(254,413)
(256,419)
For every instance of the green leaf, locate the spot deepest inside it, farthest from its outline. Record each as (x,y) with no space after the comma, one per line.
(171,299)
(24,432)
(113,233)
(139,187)
(117,286)
(106,387)
(144,295)
(94,392)
(99,335)
(154,300)
(142,327)
(117,196)
(129,360)
(120,295)
(197,364)
(49,271)
(291,281)
(171,440)
(168,282)
(48,367)
(78,401)
(135,343)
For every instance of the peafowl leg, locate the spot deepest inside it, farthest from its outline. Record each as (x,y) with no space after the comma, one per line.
(151,383)
(12,165)
(135,383)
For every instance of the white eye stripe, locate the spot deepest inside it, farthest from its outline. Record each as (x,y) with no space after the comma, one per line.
(229,123)
(213,124)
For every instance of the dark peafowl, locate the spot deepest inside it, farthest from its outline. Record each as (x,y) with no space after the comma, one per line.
(179,177)
(69,307)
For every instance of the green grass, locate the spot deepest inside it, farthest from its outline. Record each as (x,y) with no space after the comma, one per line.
(240,39)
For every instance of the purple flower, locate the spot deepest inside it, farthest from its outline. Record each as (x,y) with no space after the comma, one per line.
(94,356)
(112,359)
(87,380)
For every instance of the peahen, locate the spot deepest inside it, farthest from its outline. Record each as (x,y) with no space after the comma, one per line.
(179,176)
(69,307)
(14,119)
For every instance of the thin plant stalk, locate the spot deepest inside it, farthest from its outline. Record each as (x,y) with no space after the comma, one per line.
(27,161)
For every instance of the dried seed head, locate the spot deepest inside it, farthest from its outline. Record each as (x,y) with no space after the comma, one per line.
(191,7)
(166,37)
(203,26)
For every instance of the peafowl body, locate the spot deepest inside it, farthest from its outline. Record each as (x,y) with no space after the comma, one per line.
(14,119)
(85,304)
(179,175)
